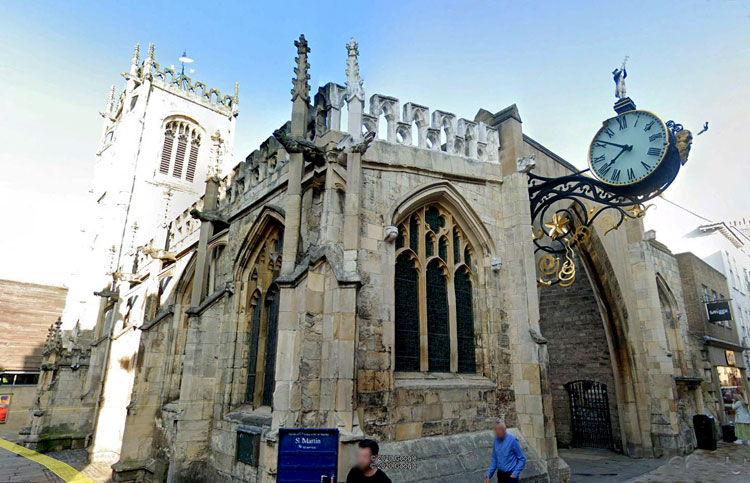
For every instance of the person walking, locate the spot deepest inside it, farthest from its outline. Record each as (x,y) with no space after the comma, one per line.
(507,456)
(741,418)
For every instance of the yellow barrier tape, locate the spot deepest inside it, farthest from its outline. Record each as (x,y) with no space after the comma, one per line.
(64,471)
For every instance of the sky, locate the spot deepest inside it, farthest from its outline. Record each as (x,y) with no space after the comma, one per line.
(688,61)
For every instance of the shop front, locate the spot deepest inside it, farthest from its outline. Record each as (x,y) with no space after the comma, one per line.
(729,375)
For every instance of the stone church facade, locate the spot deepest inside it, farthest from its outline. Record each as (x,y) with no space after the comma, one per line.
(369,268)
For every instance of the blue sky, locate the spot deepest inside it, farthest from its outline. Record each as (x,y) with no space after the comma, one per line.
(689,61)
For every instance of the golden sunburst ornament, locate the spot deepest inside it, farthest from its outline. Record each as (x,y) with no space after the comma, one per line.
(558,226)
(636,211)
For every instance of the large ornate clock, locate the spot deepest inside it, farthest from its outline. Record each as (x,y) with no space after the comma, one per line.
(633,158)
(633,153)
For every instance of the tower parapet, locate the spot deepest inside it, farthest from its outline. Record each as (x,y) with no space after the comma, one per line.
(181,85)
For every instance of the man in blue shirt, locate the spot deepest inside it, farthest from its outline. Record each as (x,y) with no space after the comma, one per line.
(507,456)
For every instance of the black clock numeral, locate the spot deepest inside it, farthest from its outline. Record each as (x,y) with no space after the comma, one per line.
(646,165)
(605,169)
(654,137)
(609,132)
(598,159)
(654,151)
(637,118)
(631,173)
(648,126)
(622,122)
(615,176)
(599,145)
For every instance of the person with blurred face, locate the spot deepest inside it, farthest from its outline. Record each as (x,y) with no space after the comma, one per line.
(366,470)
(507,456)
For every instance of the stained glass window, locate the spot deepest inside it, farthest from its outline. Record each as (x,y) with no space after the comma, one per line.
(414,233)
(443,248)
(423,295)
(269,380)
(407,314)
(262,269)
(465,321)
(438,339)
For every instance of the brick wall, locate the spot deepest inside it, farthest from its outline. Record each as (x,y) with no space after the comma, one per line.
(577,343)
(695,273)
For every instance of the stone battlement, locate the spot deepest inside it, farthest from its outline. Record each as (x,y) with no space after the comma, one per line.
(414,125)
(182,85)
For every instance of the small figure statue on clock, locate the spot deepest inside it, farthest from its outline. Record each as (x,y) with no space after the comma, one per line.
(619,76)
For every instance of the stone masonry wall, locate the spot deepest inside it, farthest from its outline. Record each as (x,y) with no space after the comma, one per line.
(578,349)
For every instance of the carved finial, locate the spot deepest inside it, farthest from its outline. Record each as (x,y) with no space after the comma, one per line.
(236,100)
(354,87)
(148,65)
(136,60)
(301,87)
(110,101)
(214,169)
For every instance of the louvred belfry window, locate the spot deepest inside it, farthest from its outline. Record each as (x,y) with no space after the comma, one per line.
(176,155)
(434,294)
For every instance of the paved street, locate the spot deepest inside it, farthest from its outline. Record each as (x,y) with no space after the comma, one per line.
(728,463)
(17,469)
(589,465)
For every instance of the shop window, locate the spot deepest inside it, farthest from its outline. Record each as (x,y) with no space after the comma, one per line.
(19,378)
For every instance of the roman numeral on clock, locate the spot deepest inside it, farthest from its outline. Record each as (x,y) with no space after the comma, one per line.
(654,151)
(598,159)
(631,173)
(622,122)
(654,137)
(605,169)
(609,132)
(648,126)
(637,118)
(646,165)
(615,175)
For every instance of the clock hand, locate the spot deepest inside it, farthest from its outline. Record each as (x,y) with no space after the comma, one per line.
(622,146)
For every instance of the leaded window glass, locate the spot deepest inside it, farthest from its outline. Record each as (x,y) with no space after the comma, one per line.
(407,314)
(262,268)
(465,321)
(434,294)
(438,340)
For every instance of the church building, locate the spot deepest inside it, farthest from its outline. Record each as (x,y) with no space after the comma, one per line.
(369,268)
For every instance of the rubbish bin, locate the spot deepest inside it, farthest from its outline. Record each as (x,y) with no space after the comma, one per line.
(705,433)
(727,433)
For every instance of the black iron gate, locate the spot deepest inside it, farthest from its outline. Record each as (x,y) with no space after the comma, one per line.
(589,410)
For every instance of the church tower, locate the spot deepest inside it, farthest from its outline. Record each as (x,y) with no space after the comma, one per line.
(160,140)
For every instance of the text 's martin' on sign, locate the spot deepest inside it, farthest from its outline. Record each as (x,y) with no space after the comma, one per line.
(718,311)
(308,455)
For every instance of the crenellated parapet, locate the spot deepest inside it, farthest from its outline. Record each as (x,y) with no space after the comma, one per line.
(261,170)
(180,84)
(410,125)
(183,85)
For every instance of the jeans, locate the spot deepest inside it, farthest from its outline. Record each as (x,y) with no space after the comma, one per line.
(504,477)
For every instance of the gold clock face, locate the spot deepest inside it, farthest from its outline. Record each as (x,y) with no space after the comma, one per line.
(628,148)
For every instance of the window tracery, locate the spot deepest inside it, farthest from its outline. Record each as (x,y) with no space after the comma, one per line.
(434,294)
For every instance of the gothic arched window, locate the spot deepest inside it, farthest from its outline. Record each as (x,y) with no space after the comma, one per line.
(434,297)
(262,269)
(179,152)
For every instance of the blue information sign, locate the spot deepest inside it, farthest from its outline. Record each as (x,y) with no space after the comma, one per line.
(308,455)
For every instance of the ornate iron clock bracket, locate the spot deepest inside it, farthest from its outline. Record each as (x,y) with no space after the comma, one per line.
(564,210)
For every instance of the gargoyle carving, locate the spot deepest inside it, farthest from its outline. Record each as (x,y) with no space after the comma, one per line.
(362,146)
(206,215)
(158,253)
(296,144)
